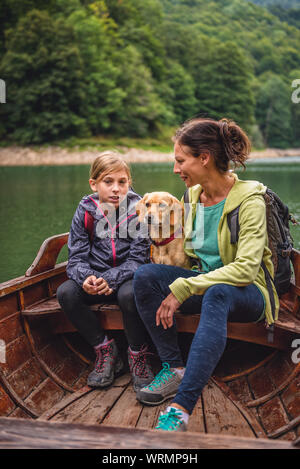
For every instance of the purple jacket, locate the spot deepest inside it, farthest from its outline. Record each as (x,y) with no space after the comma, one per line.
(119,243)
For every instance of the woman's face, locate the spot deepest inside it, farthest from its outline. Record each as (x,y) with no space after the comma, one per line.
(189,168)
(112,189)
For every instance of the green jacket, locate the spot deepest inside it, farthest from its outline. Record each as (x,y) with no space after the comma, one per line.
(241,261)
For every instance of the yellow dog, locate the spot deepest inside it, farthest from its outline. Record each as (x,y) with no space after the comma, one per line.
(164,215)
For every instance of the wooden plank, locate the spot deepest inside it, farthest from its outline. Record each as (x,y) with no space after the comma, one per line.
(221,416)
(196,420)
(260,383)
(6,404)
(8,305)
(44,396)
(126,411)
(149,415)
(288,322)
(17,353)
(241,389)
(10,328)
(291,397)
(19,283)
(26,434)
(26,378)
(110,318)
(273,415)
(74,408)
(47,254)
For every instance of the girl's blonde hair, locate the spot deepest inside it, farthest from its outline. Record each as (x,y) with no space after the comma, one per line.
(106,163)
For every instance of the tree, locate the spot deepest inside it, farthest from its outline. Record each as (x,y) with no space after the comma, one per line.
(140,108)
(273,112)
(223,84)
(43,71)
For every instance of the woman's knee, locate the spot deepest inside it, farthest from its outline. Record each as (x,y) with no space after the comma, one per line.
(220,291)
(143,273)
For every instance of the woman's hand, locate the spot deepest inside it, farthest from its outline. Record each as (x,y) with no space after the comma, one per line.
(165,312)
(96,286)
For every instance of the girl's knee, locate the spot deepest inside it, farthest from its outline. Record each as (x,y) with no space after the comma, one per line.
(125,293)
(67,291)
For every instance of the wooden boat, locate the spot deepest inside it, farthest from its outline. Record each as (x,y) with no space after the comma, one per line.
(251,401)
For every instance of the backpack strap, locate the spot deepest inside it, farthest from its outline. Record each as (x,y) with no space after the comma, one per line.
(269,282)
(234,227)
(233,224)
(186,200)
(89,225)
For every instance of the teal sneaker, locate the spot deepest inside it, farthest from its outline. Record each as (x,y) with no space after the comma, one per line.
(163,387)
(171,421)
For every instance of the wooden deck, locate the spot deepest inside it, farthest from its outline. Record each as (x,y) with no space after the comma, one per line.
(24,434)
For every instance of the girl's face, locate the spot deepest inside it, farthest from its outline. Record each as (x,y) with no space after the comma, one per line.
(189,168)
(112,189)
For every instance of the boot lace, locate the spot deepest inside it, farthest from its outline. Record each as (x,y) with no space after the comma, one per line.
(104,353)
(169,420)
(139,365)
(162,377)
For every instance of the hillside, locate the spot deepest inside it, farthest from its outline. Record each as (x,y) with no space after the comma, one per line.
(281,3)
(140,67)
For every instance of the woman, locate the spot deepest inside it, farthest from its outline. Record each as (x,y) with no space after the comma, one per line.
(229,285)
(106,246)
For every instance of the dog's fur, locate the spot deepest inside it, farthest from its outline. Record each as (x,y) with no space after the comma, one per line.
(164,215)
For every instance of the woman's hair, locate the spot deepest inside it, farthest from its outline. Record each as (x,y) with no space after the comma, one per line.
(106,163)
(224,139)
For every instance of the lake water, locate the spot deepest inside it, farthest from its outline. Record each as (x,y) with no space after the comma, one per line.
(38,202)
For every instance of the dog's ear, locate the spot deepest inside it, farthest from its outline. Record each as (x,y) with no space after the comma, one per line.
(140,207)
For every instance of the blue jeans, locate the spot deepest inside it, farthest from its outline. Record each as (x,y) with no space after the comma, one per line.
(219,304)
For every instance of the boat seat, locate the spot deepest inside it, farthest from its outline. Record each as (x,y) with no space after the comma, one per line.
(110,318)
(287,327)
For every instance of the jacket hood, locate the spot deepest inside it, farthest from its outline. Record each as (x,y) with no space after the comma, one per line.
(127,206)
(240,191)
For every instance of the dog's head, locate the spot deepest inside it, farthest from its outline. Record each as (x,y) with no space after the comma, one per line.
(160,209)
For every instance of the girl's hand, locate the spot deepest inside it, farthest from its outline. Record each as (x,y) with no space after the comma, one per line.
(96,286)
(165,312)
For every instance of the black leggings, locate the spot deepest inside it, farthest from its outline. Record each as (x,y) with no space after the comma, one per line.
(75,303)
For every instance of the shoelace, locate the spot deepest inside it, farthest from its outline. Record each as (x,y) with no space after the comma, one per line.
(162,377)
(103,354)
(139,365)
(170,420)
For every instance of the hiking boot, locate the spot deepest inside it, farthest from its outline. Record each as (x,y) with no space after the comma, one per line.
(107,365)
(164,386)
(139,367)
(171,421)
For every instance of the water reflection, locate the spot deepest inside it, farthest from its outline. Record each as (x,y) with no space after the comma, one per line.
(38,202)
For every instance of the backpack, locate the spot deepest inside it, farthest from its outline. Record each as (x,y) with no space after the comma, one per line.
(280,241)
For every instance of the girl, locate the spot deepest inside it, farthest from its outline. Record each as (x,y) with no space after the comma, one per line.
(106,246)
(230,284)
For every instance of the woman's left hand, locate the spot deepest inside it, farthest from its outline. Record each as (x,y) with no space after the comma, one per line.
(165,312)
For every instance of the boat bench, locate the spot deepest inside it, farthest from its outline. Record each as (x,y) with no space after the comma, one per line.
(286,328)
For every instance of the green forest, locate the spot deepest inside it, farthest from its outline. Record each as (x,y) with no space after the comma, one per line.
(138,68)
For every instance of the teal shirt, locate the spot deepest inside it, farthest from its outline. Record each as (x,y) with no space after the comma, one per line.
(205,227)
